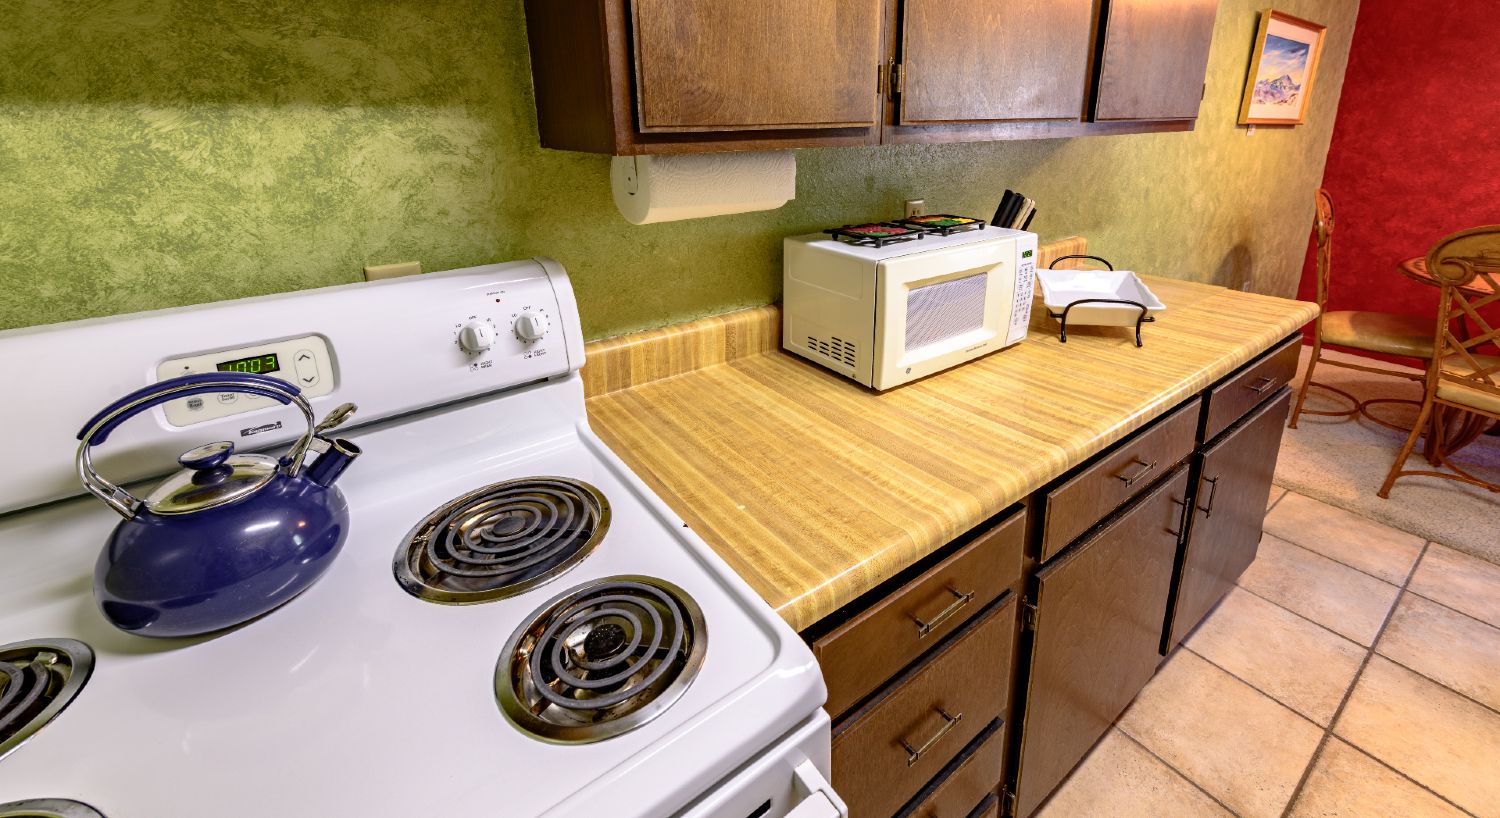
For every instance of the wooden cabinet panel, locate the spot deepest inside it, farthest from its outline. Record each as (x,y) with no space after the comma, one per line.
(1230,400)
(890,748)
(1233,487)
(994,60)
(1089,496)
(860,655)
(966,782)
(715,65)
(1100,610)
(1154,58)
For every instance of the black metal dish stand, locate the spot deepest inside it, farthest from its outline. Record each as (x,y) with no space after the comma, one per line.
(1062,318)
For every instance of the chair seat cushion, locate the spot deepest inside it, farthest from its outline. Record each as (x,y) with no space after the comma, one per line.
(1464,394)
(1406,335)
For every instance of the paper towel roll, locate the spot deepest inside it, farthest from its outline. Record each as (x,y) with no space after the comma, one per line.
(652,189)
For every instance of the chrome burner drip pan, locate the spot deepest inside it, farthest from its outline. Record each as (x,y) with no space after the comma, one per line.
(502,539)
(37,680)
(601,659)
(48,808)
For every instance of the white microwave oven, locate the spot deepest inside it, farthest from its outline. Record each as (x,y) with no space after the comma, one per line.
(884,316)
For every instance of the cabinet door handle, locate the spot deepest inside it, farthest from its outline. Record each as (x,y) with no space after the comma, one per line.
(1144,470)
(914,754)
(1181,520)
(1262,385)
(1208,510)
(961,599)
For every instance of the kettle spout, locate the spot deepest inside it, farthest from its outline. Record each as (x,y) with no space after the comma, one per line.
(332,462)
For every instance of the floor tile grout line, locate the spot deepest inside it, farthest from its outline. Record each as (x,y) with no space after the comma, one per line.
(1439,683)
(1367,754)
(1307,619)
(1349,692)
(1279,703)
(1336,561)
(1179,773)
(1274,503)
(1442,604)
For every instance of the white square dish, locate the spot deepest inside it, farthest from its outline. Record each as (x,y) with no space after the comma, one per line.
(1063,287)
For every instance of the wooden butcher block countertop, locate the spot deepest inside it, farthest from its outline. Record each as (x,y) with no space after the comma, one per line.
(816,489)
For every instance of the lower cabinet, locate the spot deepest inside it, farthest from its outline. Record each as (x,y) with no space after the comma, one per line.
(1097,633)
(886,752)
(1234,483)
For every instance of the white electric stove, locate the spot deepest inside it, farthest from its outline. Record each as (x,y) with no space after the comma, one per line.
(620,668)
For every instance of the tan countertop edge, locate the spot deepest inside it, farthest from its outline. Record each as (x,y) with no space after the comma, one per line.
(816,489)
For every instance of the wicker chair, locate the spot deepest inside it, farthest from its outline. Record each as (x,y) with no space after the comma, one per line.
(1387,333)
(1462,378)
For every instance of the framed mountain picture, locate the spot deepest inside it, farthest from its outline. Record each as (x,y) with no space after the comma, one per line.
(1282,70)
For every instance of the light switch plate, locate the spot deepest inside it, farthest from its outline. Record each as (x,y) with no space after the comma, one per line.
(383,271)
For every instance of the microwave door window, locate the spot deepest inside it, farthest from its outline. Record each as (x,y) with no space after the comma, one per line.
(937,312)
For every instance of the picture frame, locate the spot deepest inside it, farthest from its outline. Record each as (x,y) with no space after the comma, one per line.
(1282,70)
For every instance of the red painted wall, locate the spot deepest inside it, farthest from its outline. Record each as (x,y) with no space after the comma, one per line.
(1416,148)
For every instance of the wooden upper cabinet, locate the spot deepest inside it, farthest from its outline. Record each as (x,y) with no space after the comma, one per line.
(716,65)
(1154,58)
(992,60)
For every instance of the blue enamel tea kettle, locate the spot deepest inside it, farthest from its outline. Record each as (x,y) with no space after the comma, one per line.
(229,537)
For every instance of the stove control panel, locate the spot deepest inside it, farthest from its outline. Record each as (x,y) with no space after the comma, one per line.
(304,361)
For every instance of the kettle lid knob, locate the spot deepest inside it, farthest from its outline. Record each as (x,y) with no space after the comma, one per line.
(208,456)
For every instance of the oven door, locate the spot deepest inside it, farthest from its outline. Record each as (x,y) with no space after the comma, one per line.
(790,780)
(939,308)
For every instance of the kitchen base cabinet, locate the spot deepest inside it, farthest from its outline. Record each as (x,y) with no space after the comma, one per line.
(1234,483)
(1096,634)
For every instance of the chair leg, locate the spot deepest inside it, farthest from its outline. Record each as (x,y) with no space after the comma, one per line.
(1411,442)
(1306,382)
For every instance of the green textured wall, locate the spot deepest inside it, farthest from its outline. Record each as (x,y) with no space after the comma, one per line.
(163,152)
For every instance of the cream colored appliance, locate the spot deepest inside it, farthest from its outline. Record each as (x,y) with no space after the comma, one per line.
(887,315)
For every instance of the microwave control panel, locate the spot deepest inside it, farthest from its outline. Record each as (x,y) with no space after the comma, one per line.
(305,361)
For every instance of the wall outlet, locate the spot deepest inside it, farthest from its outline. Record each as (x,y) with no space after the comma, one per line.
(915,207)
(383,271)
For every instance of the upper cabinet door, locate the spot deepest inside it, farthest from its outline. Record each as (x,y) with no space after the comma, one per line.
(1154,58)
(990,60)
(726,65)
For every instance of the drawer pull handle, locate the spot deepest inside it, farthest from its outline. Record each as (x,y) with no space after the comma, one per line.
(1262,385)
(1145,469)
(961,599)
(1213,491)
(914,754)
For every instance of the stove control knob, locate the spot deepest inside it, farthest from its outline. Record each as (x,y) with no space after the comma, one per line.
(530,327)
(476,337)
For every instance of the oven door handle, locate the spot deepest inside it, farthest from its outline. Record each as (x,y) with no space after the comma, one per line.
(821,801)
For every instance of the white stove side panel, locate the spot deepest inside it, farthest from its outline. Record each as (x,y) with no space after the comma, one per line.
(392,344)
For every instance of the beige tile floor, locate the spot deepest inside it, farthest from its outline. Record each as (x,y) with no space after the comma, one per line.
(1354,673)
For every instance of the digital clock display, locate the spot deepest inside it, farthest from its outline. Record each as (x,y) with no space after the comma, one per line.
(257,365)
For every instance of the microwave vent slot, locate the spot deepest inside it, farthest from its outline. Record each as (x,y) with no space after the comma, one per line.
(834,349)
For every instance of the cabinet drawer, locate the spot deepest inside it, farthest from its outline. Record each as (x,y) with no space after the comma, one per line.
(1089,496)
(1243,391)
(976,773)
(886,752)
(860,655)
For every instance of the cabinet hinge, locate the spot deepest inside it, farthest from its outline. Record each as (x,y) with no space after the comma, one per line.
(1028,616)
(898,78)
(880,80)
(1007,803)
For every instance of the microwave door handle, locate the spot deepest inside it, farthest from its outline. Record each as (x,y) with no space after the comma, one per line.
(821,801)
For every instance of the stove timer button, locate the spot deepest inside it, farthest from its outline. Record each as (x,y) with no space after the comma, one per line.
(530,327)
(476,337)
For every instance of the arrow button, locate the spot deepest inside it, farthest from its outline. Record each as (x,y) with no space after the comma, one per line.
(307,367)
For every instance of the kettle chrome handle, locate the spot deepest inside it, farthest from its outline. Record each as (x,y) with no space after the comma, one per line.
(99,427)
